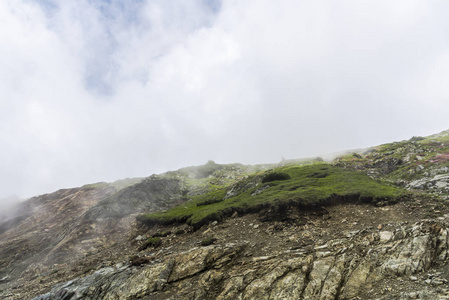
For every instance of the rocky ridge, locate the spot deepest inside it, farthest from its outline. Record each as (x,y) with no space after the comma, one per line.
(418,163)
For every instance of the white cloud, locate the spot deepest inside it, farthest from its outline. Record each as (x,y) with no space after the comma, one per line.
(100,90)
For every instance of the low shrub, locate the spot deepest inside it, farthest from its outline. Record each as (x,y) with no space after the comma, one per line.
(208,241)
(273,176)
(136,260)
(209,201)
(161,234)
(416,138)
(151,242)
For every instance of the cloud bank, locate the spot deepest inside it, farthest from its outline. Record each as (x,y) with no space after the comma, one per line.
(101,90)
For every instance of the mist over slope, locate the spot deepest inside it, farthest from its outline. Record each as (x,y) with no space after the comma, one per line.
(371,224)
(100,90)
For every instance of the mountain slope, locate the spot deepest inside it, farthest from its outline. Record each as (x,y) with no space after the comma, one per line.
(418,163)
(371,224)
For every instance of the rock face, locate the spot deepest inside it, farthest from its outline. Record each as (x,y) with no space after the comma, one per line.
(437,183)
(340,269)
(57,231)
(42,224)
(152,194)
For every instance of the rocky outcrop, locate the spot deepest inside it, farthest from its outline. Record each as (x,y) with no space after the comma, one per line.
(152,194)
(345,268)
(42,223)
(437,183)
(241,186)
(416,164)
(126,282)
(72,228)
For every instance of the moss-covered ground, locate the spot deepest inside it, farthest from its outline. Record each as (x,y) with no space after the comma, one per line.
(308,185)
(406,160)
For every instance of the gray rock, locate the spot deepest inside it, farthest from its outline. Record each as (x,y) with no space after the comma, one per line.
(385,236)
(225,272)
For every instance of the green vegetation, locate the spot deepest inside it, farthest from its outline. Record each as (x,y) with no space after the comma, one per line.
(208,241)
(416,138)
(405,160)
(210,201)
(211,176)
(309,185)
(151,242)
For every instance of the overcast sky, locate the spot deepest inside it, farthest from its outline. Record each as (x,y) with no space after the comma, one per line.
(98,90)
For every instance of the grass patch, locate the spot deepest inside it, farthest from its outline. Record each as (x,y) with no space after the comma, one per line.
(151,242)
(309,185)
(210,200)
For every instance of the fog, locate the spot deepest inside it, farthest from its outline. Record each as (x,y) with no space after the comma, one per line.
(8,208)
(101,90)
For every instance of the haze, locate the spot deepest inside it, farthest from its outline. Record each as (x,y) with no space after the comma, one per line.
(102,90)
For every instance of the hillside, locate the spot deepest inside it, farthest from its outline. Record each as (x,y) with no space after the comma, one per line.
(371,224)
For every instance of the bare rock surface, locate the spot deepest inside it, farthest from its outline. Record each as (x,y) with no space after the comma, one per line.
(349,268)
(332,255)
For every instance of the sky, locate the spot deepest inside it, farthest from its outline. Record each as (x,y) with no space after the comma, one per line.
(99,90)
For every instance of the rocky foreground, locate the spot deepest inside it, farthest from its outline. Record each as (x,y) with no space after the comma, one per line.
(346,251)
(280,260)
